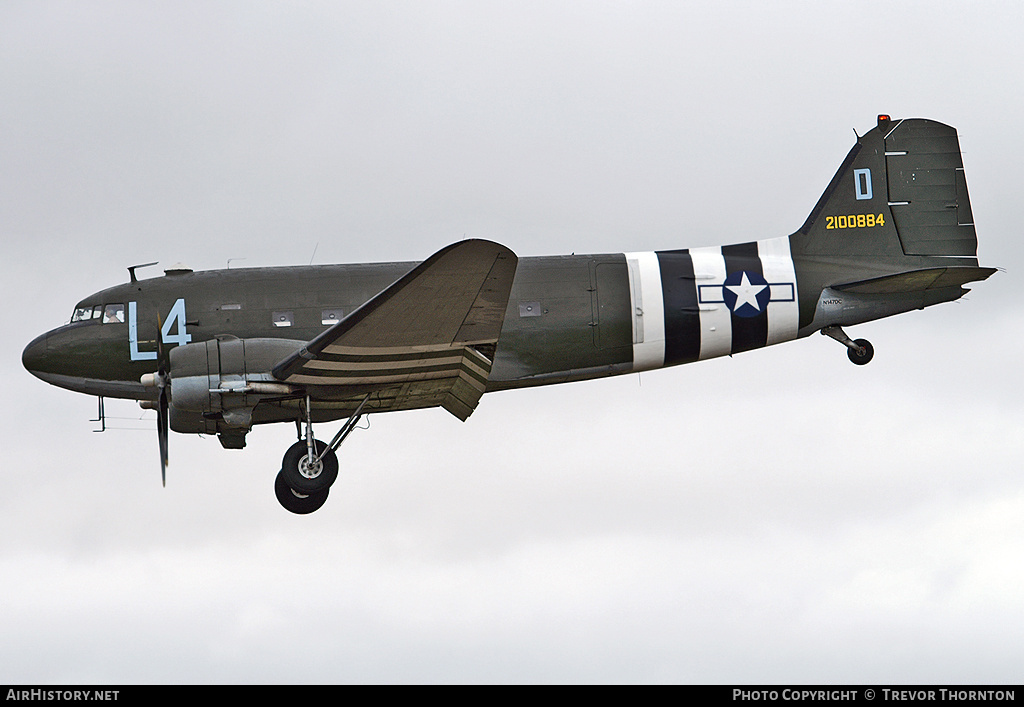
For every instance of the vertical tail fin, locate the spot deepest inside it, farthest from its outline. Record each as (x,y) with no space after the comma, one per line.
(893,231)
(901,191)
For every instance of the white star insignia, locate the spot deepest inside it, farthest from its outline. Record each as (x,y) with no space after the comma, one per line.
(746,293)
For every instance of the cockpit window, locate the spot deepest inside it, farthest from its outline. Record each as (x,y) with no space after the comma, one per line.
(83,314)
(113,314)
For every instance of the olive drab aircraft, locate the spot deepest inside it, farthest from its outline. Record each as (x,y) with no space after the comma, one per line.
(220,351)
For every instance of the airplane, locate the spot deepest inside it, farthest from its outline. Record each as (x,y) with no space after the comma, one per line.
(217,352)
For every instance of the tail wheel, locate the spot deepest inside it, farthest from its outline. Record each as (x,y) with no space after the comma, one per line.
(297,503)
(863,353)
(307,476)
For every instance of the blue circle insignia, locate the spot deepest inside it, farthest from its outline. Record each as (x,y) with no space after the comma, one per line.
(746,293)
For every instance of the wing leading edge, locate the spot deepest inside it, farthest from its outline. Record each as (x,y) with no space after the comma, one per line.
(426,340)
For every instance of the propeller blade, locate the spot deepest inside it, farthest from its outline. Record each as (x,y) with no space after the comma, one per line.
(163,412)
(161,380)
(161,430)
(162,360)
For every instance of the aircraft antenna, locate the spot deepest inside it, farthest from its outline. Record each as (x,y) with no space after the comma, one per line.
(314,252)
(131,269)
(101,416)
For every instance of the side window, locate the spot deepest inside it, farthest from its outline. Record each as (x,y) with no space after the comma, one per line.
(331,316)
(113,314)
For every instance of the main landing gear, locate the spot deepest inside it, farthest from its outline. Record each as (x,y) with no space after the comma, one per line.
(860,351)
(310,467)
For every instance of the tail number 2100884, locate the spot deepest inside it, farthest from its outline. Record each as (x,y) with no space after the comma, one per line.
(854,221)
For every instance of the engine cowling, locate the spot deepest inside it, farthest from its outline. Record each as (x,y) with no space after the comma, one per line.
(216,384)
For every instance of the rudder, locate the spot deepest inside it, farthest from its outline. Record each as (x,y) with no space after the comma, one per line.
(927,189)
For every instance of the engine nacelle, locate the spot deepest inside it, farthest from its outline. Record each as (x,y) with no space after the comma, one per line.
(216,384)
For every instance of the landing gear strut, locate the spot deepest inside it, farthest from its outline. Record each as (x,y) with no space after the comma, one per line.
(310,467)
(860,351)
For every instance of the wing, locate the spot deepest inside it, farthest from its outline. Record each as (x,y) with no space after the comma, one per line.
(426,340)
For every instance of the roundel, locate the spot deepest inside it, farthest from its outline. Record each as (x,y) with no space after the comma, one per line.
(746,293)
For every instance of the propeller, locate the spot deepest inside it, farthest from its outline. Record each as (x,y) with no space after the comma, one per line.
(161,380)
(162,414)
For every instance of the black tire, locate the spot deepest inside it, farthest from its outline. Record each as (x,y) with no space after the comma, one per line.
(863,354)
(297,481)
(298,504)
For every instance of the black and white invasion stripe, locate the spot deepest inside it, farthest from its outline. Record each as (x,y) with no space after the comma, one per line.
(699,303)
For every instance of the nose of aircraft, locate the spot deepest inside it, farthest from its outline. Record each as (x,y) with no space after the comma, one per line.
(34,354)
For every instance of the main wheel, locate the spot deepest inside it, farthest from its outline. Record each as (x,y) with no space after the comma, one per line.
(307,477)
(295,502)
(863,353)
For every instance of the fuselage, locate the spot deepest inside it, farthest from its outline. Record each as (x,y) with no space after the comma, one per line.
(568,318)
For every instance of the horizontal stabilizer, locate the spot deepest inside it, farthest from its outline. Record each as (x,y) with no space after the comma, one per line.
(917,280)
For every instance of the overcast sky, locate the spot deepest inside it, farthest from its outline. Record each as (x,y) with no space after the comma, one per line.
(780,516)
